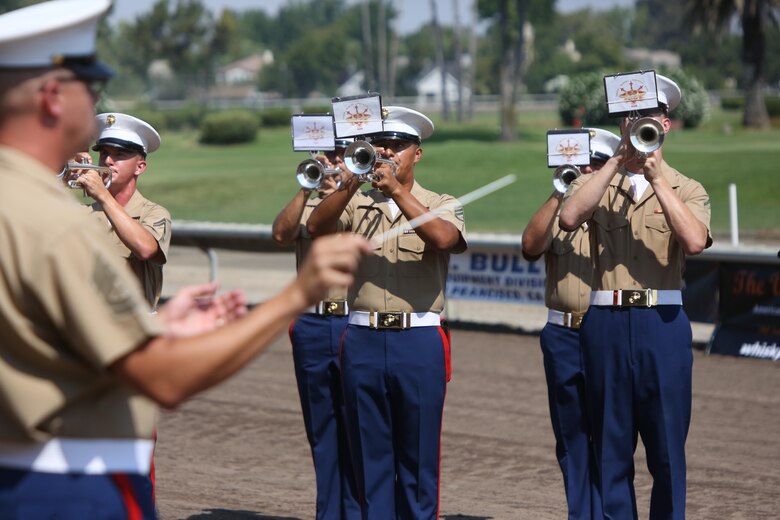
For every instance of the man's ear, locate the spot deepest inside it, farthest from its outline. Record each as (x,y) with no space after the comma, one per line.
(50,99)
(140,166)
(667,124)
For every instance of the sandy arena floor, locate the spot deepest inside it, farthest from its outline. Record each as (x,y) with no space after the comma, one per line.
(239,452)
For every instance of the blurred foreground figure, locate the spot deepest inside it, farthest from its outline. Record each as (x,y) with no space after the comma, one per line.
(82,360)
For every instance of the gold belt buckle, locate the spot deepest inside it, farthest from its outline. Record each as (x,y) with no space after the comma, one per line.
(387,320)
(334,308)
(575,320)
(636,298)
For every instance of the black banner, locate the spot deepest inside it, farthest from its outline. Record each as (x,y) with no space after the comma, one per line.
(749,311)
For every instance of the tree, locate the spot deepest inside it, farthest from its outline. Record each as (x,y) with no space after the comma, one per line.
(511,17)
(754,16)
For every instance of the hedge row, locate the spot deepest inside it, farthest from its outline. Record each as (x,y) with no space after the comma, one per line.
(738,103)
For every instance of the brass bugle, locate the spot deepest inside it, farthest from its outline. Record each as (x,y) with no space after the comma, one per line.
(564,175)
(311,172)
(73,171)
(361,159)
(646,135)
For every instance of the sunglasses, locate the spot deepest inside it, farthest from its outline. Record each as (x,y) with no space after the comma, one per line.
(95,86)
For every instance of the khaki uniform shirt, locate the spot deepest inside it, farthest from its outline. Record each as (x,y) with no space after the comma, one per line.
(68,309)
(569,269)
(303,243)
(403,274)
(155,219)
(632,244)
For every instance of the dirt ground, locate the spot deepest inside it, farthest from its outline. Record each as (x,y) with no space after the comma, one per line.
(239,451)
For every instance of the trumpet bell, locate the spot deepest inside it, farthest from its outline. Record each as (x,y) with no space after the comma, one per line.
(646,135)
(73,171)
(564,175)
(360,157)
(310,173)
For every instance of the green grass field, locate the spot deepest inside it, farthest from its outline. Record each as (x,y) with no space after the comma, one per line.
(251,183)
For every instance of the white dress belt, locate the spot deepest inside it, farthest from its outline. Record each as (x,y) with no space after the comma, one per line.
(572,320)
(329,308)
(88,456)
(635,298)
(394,319)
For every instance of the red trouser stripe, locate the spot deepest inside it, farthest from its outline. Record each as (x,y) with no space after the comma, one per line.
(445,339)
(128,496)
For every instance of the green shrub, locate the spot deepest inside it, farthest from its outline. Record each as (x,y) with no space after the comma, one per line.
(772,105)
(732,103)
(154,118)
(582,101)
(738,103)
(695,104)
(318,109)
(228,128)
(275,117)
(189,116)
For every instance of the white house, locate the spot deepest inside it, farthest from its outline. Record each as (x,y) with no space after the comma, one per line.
(429,88)
(244,71)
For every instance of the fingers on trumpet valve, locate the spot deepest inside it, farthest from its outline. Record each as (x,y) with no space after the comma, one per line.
(73,171)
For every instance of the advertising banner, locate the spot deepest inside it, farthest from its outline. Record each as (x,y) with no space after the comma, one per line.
(749,311)
(496,275)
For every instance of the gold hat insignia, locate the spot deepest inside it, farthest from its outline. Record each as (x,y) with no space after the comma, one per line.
(110,119)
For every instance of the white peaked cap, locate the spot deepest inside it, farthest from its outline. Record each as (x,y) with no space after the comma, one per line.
(603,144)
(55,33)
(124,131)
(669,92)
(402,121)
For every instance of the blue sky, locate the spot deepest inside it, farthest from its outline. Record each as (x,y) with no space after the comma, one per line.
(414,13)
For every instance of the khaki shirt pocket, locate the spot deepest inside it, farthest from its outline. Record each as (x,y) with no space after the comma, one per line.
(370,265)
(658,235)
(560,247)
(609,221)
(411,250)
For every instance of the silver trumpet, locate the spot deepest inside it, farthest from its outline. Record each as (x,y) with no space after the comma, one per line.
(646,135)
(72,171)
(361,159)
(564,175)
(311,172)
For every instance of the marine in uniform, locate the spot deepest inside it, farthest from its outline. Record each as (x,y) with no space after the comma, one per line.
(568,271)
(82,359)
(316,338)
(644,218)
(139,228)
(395,358)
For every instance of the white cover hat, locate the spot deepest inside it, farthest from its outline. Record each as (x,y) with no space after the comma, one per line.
(58,33)
(669,92)
(124,131)
(405,123)
(603,144)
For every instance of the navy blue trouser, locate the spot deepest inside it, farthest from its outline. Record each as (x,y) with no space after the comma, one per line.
(33,495)
(316,341)
(638,364)
(566,395)
(394,386)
